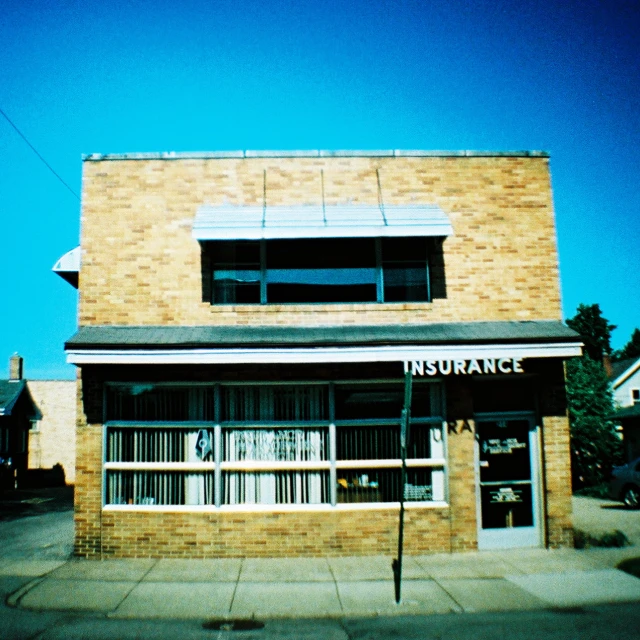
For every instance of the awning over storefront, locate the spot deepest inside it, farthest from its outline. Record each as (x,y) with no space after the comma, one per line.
(229,222)
(351,343)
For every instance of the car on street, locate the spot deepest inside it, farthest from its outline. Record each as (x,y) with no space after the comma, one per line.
(625,484)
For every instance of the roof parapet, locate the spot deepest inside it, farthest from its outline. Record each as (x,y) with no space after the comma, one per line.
(362,153)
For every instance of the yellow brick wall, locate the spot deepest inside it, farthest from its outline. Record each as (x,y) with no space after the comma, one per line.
(140,264)
(557,483)
(275,534)
(54,441)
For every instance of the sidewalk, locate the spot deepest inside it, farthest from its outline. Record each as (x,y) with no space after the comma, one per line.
(526,579)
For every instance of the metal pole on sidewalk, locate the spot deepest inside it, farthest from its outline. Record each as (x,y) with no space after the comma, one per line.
(404,439)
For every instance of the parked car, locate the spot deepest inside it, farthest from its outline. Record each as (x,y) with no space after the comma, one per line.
(625,484)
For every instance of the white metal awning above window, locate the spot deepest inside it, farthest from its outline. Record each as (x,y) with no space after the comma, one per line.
(231,222)
(68,266)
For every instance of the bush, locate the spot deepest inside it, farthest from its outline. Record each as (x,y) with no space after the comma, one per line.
(598,491)
(584,540)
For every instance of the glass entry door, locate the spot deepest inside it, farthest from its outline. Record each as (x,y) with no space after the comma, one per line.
(507,482)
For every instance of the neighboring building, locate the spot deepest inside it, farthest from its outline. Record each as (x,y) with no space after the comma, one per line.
(625,382)
(52,438)
(37,428)
(245,322)
(18,412)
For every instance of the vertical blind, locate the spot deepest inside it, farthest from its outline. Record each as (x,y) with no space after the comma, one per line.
(272,444)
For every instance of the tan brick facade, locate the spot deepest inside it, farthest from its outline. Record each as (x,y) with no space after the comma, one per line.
(141,266)
(54,440)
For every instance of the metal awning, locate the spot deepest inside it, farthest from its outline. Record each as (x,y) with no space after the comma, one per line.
(232,222)
(68,267)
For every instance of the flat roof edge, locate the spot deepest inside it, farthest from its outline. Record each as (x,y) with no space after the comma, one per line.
(394,153)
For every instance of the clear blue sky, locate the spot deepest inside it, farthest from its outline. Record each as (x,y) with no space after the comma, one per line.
(81,76)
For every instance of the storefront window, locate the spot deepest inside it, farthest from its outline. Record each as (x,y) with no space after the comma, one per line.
(265,444)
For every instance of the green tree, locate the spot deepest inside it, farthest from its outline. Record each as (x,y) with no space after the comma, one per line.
(631,349)
(595,446)
(594,329)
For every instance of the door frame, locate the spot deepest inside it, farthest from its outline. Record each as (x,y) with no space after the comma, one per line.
(521,537)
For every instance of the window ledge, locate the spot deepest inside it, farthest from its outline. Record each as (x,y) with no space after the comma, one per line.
(316,307)
(270,508)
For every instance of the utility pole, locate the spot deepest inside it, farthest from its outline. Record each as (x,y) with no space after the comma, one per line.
(404,439)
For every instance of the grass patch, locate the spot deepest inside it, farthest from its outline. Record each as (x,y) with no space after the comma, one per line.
(631,565)
(584,540)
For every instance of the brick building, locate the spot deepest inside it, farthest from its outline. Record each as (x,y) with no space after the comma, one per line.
(37,430)
(18,412)
(245,324)
(52,438)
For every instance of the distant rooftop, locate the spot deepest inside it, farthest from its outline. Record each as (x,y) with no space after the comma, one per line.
(393,153)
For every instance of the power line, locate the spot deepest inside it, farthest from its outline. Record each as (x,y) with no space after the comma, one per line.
(39,156)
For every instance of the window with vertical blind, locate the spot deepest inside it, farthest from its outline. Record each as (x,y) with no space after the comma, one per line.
(223,445)
(324,270)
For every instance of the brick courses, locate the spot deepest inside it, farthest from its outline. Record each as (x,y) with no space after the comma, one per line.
(501,263)
(141,266)
(54,442)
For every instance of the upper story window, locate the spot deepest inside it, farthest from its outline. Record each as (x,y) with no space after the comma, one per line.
(325,270)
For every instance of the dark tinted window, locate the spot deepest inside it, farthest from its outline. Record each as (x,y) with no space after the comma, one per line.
(324,270)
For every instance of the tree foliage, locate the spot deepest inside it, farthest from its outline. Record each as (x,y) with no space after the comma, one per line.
(631,349)
(595,446)
(594,329)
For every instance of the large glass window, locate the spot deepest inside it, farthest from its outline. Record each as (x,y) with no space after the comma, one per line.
(267,444)
(236,273)
(404,270)
(325,270)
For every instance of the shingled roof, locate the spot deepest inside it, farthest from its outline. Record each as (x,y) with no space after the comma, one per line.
(134,337)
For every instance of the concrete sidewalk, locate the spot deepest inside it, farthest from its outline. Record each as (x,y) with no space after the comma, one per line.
(526,579)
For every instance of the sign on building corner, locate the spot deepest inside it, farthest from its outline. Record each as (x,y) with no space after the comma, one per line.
(463,367)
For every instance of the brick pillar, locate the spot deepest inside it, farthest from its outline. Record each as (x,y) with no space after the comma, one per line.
(462,482)
(557,466)
(88,485)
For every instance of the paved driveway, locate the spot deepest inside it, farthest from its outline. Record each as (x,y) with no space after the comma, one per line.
(596,516)
(45,537)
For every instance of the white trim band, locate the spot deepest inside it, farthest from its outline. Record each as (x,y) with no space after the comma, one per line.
(275,508)
(316,355)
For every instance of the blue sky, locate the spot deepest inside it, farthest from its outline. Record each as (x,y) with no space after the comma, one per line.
(81,76)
